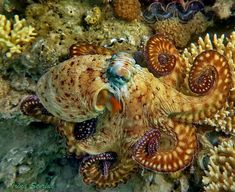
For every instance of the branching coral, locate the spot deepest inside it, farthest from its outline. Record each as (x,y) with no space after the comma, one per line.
(223,119)
(221,173)
(14,37)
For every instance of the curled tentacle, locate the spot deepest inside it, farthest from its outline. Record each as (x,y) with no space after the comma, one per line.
(178,157)
(31,106)
(163,60)
(202,77)
(210,79)
(150,141)
(107,169)
(88,49)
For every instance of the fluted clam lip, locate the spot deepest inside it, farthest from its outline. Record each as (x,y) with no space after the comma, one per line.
(157,11)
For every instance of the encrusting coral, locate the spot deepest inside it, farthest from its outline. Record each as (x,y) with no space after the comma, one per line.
(14,37)
(221,169)
(93,16)
(127,10)
(180,32)
(224,119)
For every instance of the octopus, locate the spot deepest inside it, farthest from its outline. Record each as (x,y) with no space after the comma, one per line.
(119,117)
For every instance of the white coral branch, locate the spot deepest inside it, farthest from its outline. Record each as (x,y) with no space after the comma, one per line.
(15,36)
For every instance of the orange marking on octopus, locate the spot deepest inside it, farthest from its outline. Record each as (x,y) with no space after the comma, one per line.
(88,49)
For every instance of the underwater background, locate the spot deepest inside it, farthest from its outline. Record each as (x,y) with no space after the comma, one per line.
(36,35)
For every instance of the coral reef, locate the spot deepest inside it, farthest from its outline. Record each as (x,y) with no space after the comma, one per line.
(15,37)
(179,32)
(64,23)
(127,10)
(129,105)
(220,173)
(224,118)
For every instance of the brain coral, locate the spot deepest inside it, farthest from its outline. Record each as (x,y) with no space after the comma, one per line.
(127,10)
(180,32)
(221,173)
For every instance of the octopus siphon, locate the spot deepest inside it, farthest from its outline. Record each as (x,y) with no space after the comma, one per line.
(119,117)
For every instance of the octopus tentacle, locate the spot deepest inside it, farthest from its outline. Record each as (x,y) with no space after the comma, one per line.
(210,79)
(31,106)
(66,129)
(170,160)
(84,129)
(202,77)
(107,169)
(88,49)
(164,61)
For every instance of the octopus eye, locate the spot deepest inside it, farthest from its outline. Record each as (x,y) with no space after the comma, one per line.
(84,129)
(119,71)
(161,55)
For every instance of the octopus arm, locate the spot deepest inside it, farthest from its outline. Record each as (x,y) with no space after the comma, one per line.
(88,49)
(164,61)
(118,171)
(31,106)
(209,80)
(179,156)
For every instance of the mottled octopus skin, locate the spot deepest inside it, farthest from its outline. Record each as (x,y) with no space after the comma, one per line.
(70,91)
(65,91)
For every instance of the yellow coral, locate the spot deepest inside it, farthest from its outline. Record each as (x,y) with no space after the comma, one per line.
(221,169)
(93,16)
(224,119)
(180,32)
(14,36)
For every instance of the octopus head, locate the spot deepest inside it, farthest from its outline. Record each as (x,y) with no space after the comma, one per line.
(77,89)
(120,69)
